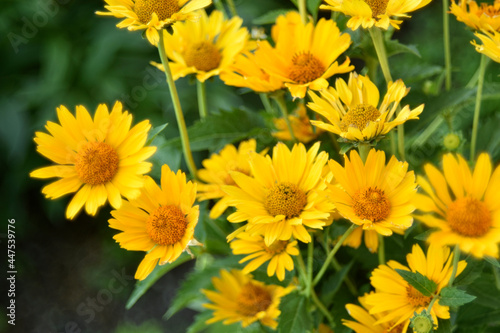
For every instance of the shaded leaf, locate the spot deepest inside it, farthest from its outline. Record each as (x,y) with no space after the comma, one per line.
(451,296)
(269,17)
(420,282)
(294,316)
(154,132)
(492,261)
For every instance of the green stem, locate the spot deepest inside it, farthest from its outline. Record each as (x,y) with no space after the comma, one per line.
(267,103)
(381,250)
(303,10)
(202,98)
(332,254)
(310,249)
(177,108)
(321,307)
(303,274)
(350,285)
(220,7)
(363,149)
(456,258)
(232,8)
(434,299)
(280,100)
(477,109)
(447,53)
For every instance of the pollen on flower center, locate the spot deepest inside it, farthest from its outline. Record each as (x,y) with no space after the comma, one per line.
(164,9)
(253,299)
(415,297)
(166,225)
(378,7)
(359,116)
(371,204)
(305,68)
(285,199)
(276,248)
(204,56)
(96,163)
(469,217)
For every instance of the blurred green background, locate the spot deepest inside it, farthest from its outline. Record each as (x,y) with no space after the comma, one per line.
(72,276)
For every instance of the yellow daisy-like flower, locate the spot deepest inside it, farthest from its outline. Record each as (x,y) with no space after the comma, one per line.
(373,195)
(484,16)
(206,47)
(369,236)
(301,126)
(217,173)
(397,299)
(469,215)
(304,56)
(161,221)
(153,15)
(379,13)
(491,44)
(240,298)
(278,254)
(367,323)
(284,196)
(101,159)
(352,109)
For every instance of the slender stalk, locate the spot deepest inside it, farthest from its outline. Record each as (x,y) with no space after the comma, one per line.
(332,254)
(280,100)
(303,10)
(447,53)
(321,307)
(232,8)
(381,250)
(267,103)
(434,299)
(177,108)
(202,98)
(310,249)
(456,258)
(302,272)
(364,149)
(477,109)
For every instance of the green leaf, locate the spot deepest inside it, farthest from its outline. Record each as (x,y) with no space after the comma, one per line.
(154,132)
(313,7)
(345,147)
(294,316)
(451,296)
(444,326)
(420,282)
(394,47)
(333,283)
(472,272)
(165,154)
(492,261)
(424,235)
(199,323)
(269,17)
(142,286)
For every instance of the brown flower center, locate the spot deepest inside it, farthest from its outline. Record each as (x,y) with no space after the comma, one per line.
(167,225)
(96,163)
(164,9)
(371,204)
(204,56)
(415,297)
(276,248)
(359,116)
(378,7)
(469,217)
(305,68)
(253,299)
(285,199)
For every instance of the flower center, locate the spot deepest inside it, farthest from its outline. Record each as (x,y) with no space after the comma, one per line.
(285,199)
(166,225)
(469,217)
(163,9)
(204,56)
(305,68)
(96,163)
(378,7)
(371,204)
(359,116)
(415,297)
(253,299)
(276,248)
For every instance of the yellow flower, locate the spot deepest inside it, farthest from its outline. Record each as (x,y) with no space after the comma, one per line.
(153,15)
(160,221)
(469,215)
(278,254)
(366,323)
(206,47)
(217,173)
(284,196)
(301,127)
(100,159)
(352,110)
(491,44)
(304,56)
(369,13)
(370,237)
(484,16)
(397,300)
(240,298)
(373,195)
